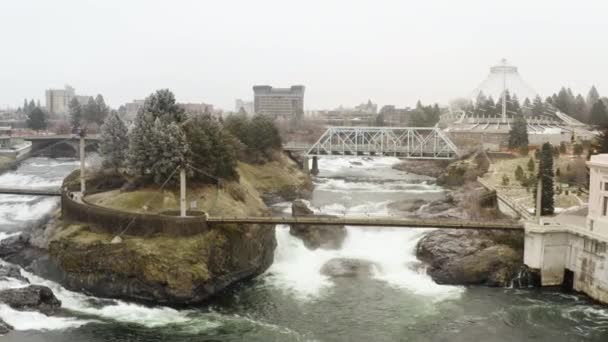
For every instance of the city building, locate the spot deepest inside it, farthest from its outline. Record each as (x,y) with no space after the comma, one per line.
(58,100)
(11,147)
(247,106)
(570,249)
(131,108)
(279,102)
(197,108)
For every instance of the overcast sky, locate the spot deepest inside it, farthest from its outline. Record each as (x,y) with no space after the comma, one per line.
(344,52)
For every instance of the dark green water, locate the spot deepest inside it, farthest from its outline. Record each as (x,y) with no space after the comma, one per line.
(293,302)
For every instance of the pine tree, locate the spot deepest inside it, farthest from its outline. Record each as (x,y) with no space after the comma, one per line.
(519,173)
(171,151)
(592,97)
(518,135)
(598,115)
(75,112)
(531,164)
(89,111)
(114,142)
(577,150)
(600,146)
(562,148)
(545,172)
(36,119)
(538,107)
(26,107)
(580,108)
(213,149)
(101,110)
(505,180)
(160,105)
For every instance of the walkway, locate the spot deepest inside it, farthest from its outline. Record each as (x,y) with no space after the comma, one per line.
(370,222)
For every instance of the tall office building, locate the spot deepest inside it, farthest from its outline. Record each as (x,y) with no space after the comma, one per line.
(58,100)
(279,102)
(247,106)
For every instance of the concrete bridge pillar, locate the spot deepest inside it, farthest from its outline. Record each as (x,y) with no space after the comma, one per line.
(315,166)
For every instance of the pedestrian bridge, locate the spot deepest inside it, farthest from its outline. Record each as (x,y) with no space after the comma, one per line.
(369,222)
(30,192)
(402,142)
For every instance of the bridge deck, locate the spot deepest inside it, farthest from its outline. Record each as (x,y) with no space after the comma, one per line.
(370,221)
(30,192)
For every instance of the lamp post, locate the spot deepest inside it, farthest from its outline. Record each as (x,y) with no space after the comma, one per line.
(82,134)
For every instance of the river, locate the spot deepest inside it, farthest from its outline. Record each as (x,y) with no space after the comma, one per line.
(292,301)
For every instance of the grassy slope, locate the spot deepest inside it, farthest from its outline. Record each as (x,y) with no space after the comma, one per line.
(519,193)
(235,198)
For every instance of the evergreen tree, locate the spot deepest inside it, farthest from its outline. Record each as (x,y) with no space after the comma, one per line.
(562,148)
(114,142)
(26,107)
(263,135)
(545,172)
(75,112)
(505,180)
(518,135)
(31,106)
(101,110)
(592,97)
(531,164)
(600,146)
(213,149)
(538,108)
(171,150)
(580,108)
(89,111)
(598,115)
(577,149)
(519,173)
(36,119)
(160,105)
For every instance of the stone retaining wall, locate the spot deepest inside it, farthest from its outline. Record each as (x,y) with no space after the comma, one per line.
(115,221)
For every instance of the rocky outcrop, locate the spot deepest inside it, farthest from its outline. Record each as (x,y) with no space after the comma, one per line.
(326,237)
(345,267)
(162,269)
(5,328)
(33,297)
(11,271)
(464,257)
(465,170)
(430,168)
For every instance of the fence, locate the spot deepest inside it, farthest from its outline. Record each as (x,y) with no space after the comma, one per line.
(140,224)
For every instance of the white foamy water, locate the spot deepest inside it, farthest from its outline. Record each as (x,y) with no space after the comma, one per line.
(297,269)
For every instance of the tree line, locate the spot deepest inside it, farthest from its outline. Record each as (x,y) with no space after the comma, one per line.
(590,109)
(164,137)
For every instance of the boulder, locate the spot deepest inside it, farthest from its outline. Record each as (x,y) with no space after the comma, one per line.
(33,297)
(463,257)
(345,267)
(11,271)
(326,237)
(5,328)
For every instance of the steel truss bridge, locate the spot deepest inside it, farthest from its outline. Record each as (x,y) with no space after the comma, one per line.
(403,142)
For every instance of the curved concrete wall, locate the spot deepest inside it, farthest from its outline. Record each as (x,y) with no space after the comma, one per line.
(115,221)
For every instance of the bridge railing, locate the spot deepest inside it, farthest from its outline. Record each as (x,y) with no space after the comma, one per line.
(518,208)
